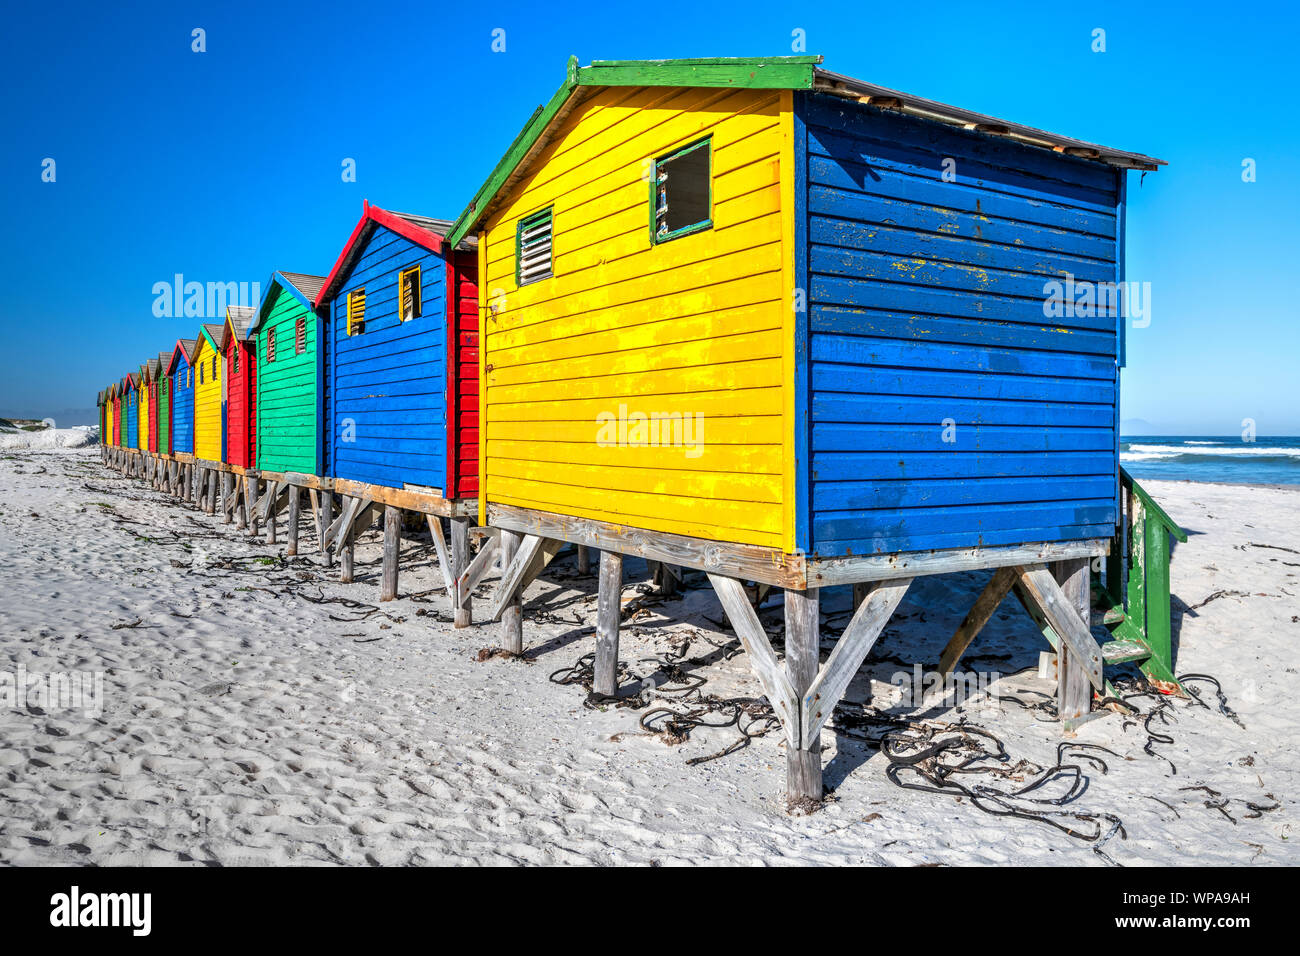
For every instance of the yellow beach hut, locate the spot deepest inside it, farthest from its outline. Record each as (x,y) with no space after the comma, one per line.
(209,416)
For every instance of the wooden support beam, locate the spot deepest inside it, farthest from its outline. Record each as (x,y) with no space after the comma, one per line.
(270,507)
(827,687)
(512,616)
(803,760)
(1061,613)
(440,546)
(463,586)
(313,498)
(1073,695)
(978,616)
(323,522)
(533,554)
(758,649)
(392,550)
(584,559)
(462,609)
(211,506)
(607,623)
(254,512)
(295,504)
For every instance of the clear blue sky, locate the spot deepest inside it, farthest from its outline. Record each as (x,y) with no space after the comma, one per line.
(225,165)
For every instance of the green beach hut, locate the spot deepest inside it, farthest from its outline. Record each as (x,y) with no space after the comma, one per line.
(289,371)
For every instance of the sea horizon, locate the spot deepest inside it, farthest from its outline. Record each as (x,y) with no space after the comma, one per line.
(1267,460)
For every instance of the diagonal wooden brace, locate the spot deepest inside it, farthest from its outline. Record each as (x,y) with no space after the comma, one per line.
(440,545)
(979,615)
(464,585)
(850,651)
(1040,587)
(758,650)
(533,554)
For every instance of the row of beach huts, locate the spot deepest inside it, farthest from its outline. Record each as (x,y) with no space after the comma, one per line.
(742,316)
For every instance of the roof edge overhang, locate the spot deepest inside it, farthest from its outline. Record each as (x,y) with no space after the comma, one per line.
(372,216)
(784,73)
(278,279)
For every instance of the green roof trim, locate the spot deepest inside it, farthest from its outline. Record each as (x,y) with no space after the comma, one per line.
(753,73)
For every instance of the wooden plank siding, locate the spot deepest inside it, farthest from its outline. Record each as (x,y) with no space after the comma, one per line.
(163,415)
(209,426)
(288,388)
(692,326)
(241,401)
(385,404)
(132,439)
(146,434)
(182,389)
(925,305)
(462,361)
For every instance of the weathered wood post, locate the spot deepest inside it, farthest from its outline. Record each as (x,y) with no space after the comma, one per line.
(392,549)
(584,560)
(1073,692)
(512,618)
(251,496)
(326,519)
(295,504)
(227,489)
(462,613)
(347,553)
(273,491)
(803,767)
(607,622)
(212,491)
(861,591)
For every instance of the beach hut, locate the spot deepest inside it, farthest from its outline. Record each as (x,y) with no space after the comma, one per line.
(163,403)
(209,410)
(286,333)
(115,399)
(131,389)
(240,360)
(181,374)
(393,374)
(400,358)
(786,326)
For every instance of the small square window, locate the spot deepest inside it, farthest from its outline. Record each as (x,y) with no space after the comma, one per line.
(200,374)
(356,311)
(299,337)
(410,304)
(681,197)
(533,261)
(216,371)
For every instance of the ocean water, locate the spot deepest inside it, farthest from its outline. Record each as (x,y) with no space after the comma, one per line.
(1266,460)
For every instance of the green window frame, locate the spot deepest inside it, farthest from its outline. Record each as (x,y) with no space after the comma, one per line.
(535,242)
(660,183)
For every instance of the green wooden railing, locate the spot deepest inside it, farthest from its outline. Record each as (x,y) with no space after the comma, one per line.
(1134,599)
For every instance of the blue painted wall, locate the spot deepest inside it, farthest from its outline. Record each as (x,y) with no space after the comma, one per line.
(132,404)
(183,410)
(925,304)
(384,388)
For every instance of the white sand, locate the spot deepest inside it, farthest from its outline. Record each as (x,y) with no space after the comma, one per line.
(241,725)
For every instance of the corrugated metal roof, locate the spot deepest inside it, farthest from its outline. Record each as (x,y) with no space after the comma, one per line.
(797,72)
(836,84)
(308,286)
(440,227)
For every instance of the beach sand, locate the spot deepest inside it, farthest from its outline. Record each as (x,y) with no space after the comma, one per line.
(242,722)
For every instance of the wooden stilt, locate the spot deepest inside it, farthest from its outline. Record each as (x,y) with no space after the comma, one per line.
(462,612)
(326,519)
(803,764)
(997,588)
(212,492)
(584,560)
(392,548)
(861,590)
(607,622)
(227,490)
(273,505)
(1073,690)
(253,489)
(512,618)
(295,503)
